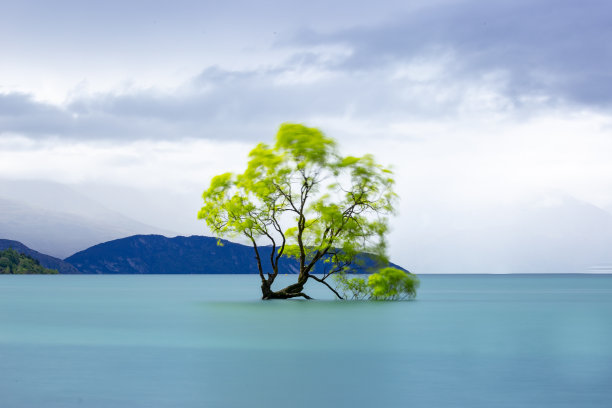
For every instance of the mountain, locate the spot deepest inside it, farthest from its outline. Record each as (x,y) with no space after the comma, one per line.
(13,262)
(45,260)
(156,254)
(56,220)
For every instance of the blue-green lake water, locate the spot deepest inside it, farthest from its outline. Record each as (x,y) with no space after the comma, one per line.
(207,341)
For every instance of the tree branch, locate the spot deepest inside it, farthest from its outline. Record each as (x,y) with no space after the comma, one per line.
(282,246)
(261,275)
(326,284)
(300,294)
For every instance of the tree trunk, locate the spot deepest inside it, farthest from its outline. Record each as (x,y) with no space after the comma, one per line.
(289,292)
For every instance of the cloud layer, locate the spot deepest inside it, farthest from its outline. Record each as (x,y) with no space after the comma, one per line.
(557,49)
(434,63)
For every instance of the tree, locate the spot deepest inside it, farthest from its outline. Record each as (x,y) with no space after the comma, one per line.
(387,284)
(306,201)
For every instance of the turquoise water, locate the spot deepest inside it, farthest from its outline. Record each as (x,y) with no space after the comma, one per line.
(207,341)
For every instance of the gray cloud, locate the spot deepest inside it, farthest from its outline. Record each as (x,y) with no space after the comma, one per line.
(226,104)
(217,104)
(558,47)
(557,51)
(19,113)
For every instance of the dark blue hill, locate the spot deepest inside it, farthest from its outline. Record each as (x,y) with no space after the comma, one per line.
(156,254)
(45,260)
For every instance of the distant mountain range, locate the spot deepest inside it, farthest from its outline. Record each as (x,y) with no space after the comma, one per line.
(156,254)
(45,260)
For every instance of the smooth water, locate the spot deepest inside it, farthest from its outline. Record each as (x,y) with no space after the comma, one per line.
(207,341)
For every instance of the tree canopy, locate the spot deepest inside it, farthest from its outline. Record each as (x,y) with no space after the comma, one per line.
(307,201)
(387,284)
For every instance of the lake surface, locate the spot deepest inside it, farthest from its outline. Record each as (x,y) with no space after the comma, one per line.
(207,341)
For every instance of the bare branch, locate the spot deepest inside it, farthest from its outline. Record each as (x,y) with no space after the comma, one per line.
(326,284)
(287,196)
(278,228)
(261,275)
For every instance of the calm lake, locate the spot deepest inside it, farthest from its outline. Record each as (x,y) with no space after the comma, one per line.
(207,341)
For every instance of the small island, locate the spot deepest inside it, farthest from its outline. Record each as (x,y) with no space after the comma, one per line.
(13,262)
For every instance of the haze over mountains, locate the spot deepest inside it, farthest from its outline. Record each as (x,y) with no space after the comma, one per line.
(547,234)
(56,220)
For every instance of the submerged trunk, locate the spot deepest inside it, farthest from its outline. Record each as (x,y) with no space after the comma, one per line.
(289,292)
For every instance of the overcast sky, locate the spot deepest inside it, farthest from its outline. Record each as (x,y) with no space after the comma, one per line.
(476,104)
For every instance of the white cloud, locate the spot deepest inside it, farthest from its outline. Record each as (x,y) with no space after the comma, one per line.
(174,166)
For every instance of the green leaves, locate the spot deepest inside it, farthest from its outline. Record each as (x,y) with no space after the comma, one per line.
(348,161)
(387,284)
(354,288)
(13,262)
(306,146)
(392,284)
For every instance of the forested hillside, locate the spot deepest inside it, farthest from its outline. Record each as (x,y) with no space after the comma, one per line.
(13,262)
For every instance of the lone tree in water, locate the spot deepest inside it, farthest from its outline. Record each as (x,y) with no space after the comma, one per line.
(306,201)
